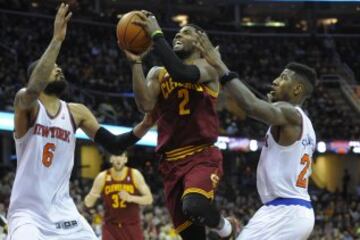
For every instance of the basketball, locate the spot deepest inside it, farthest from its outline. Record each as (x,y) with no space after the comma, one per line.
(130,36)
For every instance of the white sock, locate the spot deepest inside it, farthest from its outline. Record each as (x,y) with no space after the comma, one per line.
(225,231)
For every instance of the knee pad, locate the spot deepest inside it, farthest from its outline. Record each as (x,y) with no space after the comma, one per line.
(194,207)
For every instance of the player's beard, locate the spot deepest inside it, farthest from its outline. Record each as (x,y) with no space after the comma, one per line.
(183,54)
(56,88)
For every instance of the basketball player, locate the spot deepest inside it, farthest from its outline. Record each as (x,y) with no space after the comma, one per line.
(285,162)
(123,190)
(40,204)
(185,92)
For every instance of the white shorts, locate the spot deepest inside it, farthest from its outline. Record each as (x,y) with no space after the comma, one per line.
(280,222)
(24,229)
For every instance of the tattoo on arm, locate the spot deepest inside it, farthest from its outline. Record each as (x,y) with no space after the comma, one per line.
(39,77)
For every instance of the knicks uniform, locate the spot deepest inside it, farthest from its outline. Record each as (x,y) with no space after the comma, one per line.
(187,130)
(122,219)
(40,204)
(282,182)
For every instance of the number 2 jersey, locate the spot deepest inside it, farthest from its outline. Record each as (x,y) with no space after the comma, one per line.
(284,171)
(187,121)
(45,158)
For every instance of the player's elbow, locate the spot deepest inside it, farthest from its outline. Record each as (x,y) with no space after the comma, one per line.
(146,107)
(149,200)
(87,202)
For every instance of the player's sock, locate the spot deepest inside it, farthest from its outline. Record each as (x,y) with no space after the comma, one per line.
(224,229)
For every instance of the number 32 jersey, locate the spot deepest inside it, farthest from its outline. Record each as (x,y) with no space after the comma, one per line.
(45,158)
(284,171)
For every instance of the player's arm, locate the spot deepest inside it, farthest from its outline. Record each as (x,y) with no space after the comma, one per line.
(95,192)
(146,197)
(179,71)
(272,114)
(115,144)
(25,102)
(277,114)
(146,90)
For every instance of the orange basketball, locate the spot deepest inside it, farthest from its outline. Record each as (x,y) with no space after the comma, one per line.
(130,36)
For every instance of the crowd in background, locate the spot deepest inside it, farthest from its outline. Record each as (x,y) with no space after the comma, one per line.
(99,74)
(337,214)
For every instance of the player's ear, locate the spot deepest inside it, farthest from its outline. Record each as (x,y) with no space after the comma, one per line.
(299,88)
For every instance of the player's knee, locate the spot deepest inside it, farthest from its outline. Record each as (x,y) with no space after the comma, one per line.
(194,207)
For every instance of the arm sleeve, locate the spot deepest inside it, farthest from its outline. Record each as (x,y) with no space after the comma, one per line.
(115,144)
(176,68)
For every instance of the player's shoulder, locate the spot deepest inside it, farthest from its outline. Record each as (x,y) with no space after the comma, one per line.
(76,106)
(283,104)
(78,109)
(290,112)
(135,172)
(101,176)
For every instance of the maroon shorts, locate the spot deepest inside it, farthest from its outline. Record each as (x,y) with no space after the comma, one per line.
(198,173)
(122,232)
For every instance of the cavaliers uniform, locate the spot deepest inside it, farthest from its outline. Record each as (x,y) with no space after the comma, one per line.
(187,130)
(40,203)
(122,219)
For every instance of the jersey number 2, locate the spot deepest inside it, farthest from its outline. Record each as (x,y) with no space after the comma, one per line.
(184,94)
(301,179)
(48,154)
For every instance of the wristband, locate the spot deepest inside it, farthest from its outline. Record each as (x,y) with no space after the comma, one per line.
(228,77)
(156,33)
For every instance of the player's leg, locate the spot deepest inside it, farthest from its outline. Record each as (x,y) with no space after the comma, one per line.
(134,231)
(26,231)
(199,186)
(193,232)
(106,233)
(84,233)
(173,189)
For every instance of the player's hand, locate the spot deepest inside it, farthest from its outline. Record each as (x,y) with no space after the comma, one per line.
(136,58)
(210,53)
(148,22)
(125,196)
(150,119)
(60,25)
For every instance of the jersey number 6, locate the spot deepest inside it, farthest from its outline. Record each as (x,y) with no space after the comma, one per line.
(301,179)
(48,154)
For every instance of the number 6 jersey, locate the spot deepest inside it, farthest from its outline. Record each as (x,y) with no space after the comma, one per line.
(283,171)
(45,158)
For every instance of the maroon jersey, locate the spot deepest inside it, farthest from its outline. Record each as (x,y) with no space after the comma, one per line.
(187,118)
(117,210)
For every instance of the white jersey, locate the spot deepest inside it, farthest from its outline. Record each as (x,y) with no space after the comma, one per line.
(283,171)
(45,156)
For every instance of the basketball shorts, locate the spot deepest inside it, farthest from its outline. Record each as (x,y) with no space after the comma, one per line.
(280,222)
(198,173)
(21,228)
(122,232)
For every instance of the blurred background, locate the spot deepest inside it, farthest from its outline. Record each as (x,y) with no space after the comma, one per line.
(257,39)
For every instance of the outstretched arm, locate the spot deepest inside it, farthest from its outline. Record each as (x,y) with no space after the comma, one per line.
(95,191)
(272,114)
(147,90)
(25,101)
(115,144)
(26,97)
(180,72)
(146,197)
